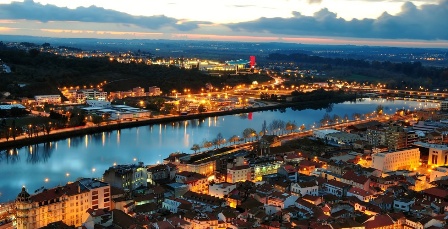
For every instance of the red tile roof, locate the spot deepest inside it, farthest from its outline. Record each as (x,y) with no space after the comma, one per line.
(379,221)
(436,191)
(350,175)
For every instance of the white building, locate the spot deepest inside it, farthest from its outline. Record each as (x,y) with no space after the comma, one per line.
(405,159)
(239,173)
(438,155)
(221,189)
(439,173)
(50,99)
(172,204)
(305,188)
(361,194)
(282,200)
(322,133)
(98,103)
(342,137)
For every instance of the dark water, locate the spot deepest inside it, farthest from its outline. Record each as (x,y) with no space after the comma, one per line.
(91,155)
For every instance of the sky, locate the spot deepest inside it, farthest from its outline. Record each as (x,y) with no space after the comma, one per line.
(421,23)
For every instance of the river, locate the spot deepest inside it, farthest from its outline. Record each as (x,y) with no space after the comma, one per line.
(56,163)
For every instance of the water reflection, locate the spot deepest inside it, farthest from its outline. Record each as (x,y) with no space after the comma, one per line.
(78,155)
(40,152)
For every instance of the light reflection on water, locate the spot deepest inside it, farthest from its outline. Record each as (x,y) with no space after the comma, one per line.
(77,156)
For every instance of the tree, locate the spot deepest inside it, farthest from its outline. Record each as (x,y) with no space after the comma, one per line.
(379,110)
(195,147)
(234,139)
(336,118)
(201,108)
(248,133)
(302,128)
(356,116)
(325,119)
(47,128)
(219,140)
(291,126)
(207,144)
(96,119)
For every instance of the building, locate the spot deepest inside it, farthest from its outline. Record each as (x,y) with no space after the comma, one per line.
(154,91)
(288,171)
(397,137)
(336,188)
(98,103)
(173,204)
(305,188)
(439,173)
(282,200)
(375,136)
(128,177)
(262,169)
(342,138)
(195,181)
(322,133)
(361,194)
(50,99)
(138,92)
(156,173)
(238,173)
(66,203)
(405,159)
(438,155)
(221,190)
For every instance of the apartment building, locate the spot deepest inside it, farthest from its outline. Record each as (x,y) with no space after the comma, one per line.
(396,160)
(68,203)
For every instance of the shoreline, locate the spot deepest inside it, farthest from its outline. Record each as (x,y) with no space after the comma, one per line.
(60,134)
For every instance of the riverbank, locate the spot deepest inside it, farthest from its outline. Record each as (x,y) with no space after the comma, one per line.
(59,134)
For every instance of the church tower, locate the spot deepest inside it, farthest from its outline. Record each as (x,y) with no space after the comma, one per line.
(23,205)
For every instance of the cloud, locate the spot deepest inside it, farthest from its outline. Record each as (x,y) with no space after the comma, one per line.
(29,10)
(428,22)
(314,1)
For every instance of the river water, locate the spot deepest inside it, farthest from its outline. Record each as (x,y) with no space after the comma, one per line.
(58,162)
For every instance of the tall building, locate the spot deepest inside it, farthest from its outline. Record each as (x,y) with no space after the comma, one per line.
(67,203)
(396,160)
(128,177)
(398,137)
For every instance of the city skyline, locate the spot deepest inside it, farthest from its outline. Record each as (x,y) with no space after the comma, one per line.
(388,23)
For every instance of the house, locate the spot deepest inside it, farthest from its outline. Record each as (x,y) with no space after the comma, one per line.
(101,217)
(356,180)
(403,204)
(173,204)
(304,188)
(435,194)
(288,171)
(196,182)
(361,194)
(221,190)
(336,188)
(283,200)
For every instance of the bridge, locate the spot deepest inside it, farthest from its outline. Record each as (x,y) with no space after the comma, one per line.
(436,95)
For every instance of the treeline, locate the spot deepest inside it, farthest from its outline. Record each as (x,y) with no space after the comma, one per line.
(408,74)
(37,73)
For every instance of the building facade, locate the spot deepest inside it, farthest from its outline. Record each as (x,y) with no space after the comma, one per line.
(64,203)
(396,160)
(128,177)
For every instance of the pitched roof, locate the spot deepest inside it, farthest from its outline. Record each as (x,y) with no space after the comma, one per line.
(379,221)
(336,183)
(436,191)
(350,175)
